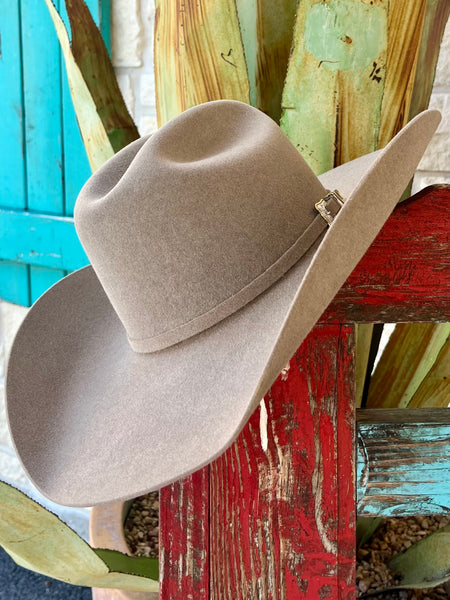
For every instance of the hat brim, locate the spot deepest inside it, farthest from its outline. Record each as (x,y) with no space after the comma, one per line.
(92,421)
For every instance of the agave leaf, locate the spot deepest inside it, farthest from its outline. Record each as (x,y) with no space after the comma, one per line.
(134,565)
(365,528)
(267,27)
(425,564)
(38,540)
(406,363)
(199,55)
(92,58)
(335,78)
(95,139)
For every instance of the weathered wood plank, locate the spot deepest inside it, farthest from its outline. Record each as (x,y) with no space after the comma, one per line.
(397,415)
(42,101)
(14,283)
(184,538)
(14,279)
(13,189)
(403,462)
(43,120)
(42,240)
(282,506)
(405,274)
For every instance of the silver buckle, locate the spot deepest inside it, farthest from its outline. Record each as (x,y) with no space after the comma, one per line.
(323,206)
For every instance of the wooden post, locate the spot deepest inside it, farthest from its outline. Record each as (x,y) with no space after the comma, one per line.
(281,514)
(281,499)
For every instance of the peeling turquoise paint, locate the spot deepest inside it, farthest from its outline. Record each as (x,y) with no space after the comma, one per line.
(408,468)
(43,162)
(343,34)
(47,241)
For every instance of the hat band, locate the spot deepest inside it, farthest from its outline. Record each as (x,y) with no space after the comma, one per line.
(249,292)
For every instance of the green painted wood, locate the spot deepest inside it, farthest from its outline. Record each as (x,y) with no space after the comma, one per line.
(48,241)
(403,462)
(14,279)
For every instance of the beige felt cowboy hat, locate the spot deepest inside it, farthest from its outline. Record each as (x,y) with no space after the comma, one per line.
(214,251)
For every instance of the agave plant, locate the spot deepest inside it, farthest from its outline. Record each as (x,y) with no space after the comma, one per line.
(38,540)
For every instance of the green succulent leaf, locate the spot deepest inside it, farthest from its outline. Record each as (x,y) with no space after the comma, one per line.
(95,138)
(134,565)
(92,58)
(38,540)
(426,563)
(365,528)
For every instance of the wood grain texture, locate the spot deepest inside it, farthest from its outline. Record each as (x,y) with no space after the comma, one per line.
(48,241)
(184,538)
(282,508)
(404,275)
(281,512)
(199,55)
(14,278)
(43,155)
(42,107)
(406,464)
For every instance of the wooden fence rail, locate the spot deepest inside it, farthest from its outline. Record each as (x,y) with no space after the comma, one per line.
(274,516)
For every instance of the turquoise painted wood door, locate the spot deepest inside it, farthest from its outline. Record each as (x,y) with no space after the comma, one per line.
(43,163)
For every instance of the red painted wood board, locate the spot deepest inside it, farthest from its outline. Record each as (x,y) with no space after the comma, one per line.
(405,274)
(282,510)
(184,538)
(281,519)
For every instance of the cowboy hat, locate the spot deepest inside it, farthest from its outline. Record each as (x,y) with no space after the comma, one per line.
(214,251)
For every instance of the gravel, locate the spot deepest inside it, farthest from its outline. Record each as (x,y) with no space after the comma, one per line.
(372,573)
(142,526)
(392,537)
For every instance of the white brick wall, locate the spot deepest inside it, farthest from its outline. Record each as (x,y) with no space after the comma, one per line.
(132,49)
(132,56)
(435,165)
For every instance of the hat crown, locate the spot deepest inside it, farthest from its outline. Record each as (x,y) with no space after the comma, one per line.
(188,225)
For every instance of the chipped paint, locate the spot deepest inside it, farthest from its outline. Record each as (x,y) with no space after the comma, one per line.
(263,425)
